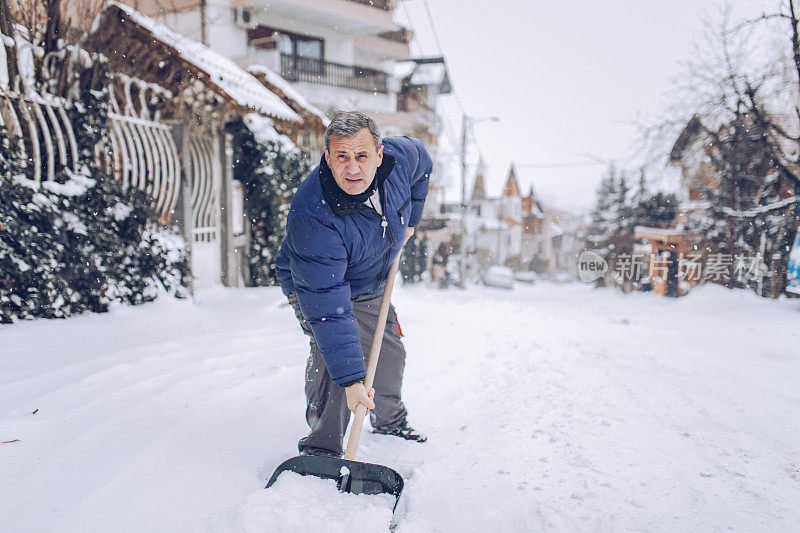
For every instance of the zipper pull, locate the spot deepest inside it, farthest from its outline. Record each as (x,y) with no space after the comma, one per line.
(384,224)
(401,219)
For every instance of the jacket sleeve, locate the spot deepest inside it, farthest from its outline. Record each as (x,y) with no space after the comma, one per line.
(282,270)
(318,261)
(421,167)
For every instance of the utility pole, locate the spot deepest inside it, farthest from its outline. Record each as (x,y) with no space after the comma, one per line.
(466,123)
(464,119)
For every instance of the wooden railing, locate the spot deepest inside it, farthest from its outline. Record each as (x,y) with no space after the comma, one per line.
(321,72)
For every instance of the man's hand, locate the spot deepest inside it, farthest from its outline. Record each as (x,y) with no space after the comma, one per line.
(356,394)
(409,233)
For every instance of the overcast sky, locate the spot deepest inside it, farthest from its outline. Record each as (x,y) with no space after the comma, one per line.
(567,79)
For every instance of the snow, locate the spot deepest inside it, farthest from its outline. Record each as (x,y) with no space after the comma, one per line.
(760,210)
(242,87)
(429,74)
(121,211)
(296,503)
(264,131)
(549,407)
(74,223)
(76,185)
(290,92)
(663,232)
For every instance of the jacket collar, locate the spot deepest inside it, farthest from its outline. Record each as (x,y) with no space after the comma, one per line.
(343,203)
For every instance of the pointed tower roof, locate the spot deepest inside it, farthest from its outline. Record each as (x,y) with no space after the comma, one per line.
(479,189)
(512,187)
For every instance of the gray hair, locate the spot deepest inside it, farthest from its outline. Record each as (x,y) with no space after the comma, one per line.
(346,124)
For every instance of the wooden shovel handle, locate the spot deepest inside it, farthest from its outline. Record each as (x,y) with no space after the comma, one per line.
(372,361)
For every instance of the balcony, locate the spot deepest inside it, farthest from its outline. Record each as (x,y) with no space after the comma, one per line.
(349,16)
(320,72)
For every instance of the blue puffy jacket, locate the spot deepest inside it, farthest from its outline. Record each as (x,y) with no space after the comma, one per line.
(336,247)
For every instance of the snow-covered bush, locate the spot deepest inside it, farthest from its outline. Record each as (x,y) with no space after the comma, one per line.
(76,246)
(270,167)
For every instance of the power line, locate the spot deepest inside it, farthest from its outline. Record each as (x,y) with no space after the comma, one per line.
(597,160)
(455,93)
(413,25)
(448,128)
(441,51)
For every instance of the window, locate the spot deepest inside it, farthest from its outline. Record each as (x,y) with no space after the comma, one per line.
(307,53)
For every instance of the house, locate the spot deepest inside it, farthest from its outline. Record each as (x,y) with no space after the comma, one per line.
(493,226)
(559,242)
(326,55)
(171,101)
(759,215)
(336,54)
(519,231)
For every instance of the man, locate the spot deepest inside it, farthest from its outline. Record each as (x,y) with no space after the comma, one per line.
(347,223)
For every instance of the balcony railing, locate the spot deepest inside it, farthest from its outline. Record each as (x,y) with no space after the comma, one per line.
(320,72)
(381,4)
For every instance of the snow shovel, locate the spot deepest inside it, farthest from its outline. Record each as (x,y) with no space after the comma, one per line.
(351,475)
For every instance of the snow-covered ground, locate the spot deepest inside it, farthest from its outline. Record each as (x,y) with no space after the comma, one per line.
(552,407)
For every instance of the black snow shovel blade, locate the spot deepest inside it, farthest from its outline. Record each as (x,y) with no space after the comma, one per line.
(350,476)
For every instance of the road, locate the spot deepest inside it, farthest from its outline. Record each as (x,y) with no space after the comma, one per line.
(549,407)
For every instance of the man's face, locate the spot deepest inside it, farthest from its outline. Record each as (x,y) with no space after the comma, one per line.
(353,161)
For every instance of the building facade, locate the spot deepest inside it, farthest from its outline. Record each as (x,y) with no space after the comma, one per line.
(519,231)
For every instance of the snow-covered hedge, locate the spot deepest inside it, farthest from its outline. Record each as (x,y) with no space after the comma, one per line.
(270,167)
(76,246)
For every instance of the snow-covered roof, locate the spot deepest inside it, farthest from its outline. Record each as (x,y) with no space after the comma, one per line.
(684,149)
(288,91)
(233,81)
(264,130)
(425,71)
(402,69)
(661,232)
(511,187)
(429,74)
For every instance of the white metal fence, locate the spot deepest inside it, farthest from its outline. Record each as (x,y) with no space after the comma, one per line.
(143,152)
(47,138)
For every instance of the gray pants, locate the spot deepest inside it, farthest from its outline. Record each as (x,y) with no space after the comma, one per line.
(326,406)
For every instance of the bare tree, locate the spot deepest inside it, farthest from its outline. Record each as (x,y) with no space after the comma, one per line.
(785,130)
(743,84)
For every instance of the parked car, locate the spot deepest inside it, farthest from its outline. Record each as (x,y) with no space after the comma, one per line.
(499,276)
(525,276)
